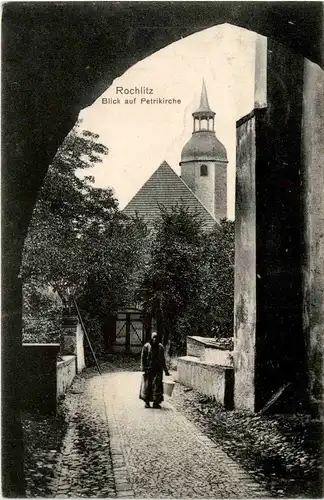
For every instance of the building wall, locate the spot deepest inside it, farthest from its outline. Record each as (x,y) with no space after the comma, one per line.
(220,192)
(211,190)
(313,180)
(245,267)
(279,233)
(268,278)
(202,186)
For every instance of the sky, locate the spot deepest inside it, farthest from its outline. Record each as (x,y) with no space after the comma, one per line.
(141,136)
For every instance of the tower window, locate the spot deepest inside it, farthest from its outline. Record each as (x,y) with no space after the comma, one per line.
(203,170)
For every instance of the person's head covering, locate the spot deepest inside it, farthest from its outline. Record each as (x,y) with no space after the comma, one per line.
(154,335)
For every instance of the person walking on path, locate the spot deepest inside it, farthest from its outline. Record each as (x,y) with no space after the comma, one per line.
(152,365)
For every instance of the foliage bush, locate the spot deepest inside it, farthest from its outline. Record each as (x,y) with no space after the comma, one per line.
(188,282)
(79,243)
(42,313)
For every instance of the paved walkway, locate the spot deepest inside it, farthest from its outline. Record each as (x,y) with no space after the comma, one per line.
(167,456)
(154,453)
(85,468)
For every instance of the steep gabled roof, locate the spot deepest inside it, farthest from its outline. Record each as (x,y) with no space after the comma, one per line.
(165,187)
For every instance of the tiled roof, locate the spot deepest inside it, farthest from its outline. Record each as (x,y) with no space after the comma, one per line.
(166,188)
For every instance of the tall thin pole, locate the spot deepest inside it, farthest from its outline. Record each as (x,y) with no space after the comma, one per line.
(87,337)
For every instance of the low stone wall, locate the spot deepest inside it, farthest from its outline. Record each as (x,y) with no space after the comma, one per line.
(38,377)
(73,341)
(217,356)
(44,379)
(195,347)
(210,350)
(65,373)
(209,379)
(80,360)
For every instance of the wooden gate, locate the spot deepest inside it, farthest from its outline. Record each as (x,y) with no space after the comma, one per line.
(129,331)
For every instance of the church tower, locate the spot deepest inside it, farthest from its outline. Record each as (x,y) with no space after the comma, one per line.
(204,161)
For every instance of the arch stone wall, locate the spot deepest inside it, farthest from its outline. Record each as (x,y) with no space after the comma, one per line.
(57,59)
(279,277)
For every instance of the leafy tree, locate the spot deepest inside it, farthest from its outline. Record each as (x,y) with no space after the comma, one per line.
(215,312)
(79,243)
(169,284)
(66,207)
(113,262)
(42,313)
(188,283)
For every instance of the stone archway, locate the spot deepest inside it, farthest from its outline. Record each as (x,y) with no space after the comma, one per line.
(57,59)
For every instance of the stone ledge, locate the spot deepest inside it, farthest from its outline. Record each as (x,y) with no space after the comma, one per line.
(226,344)
(42,346)
(65,360)
(208,364)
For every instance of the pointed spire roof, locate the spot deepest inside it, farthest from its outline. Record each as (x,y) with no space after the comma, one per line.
(203,144)
(204,108)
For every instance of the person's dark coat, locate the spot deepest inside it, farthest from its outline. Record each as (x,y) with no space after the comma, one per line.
(149,363)
(153,365)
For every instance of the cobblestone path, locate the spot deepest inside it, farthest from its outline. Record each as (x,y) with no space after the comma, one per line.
(85,468)
(114,447)
(167,456)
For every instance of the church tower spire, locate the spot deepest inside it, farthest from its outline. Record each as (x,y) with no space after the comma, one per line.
(203,118)
(204,160)
(204,104)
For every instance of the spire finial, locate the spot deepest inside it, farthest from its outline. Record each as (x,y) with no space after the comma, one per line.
(204,98)
(204,107)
